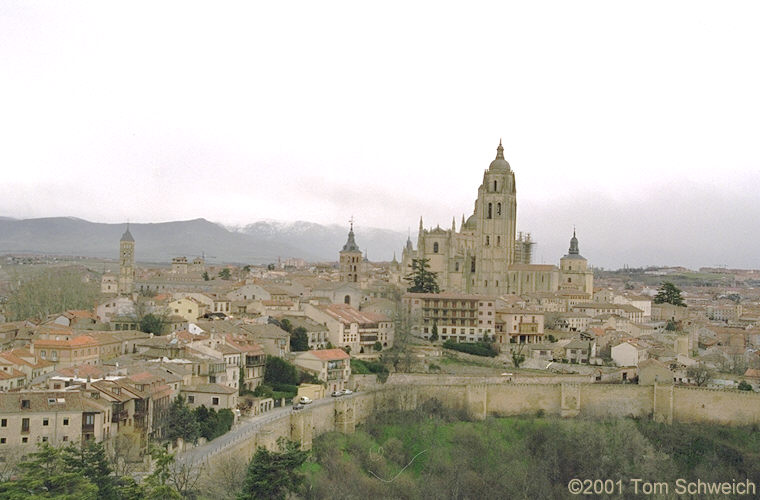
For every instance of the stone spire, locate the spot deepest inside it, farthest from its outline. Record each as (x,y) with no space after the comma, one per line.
(127,236)
(351,245)
(453,224)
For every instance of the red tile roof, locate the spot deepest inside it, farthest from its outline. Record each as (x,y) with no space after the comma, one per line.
(330,354)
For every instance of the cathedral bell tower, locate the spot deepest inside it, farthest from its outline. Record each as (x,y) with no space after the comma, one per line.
(496,215)
(126,262)
(351,259)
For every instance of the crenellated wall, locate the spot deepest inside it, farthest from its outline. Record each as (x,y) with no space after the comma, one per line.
(483,397)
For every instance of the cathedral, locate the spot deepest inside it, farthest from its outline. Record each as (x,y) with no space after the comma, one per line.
(487,255)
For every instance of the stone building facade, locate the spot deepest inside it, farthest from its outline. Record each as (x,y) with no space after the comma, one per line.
(126,262)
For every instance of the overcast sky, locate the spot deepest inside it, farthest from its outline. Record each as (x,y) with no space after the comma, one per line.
(638,122)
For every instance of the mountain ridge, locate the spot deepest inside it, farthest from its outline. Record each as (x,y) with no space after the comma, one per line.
(259,242)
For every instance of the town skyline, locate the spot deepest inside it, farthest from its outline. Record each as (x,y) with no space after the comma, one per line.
(643,142)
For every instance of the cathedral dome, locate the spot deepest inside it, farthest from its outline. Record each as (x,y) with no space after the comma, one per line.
(499,164)
(472,222)
(573,252)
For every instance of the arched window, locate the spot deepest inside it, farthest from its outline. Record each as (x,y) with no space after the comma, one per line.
(456,267)
(490,209)
(498,209)
(568,280)
(488,240)
(435,247)
(347,299)
(472,265)
(495,185)
(498,241)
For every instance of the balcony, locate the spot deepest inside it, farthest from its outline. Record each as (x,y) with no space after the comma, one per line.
(118,416)
(335,374)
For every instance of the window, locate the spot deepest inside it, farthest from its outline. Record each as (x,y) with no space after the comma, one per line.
(214,401)
(488,240)
(489,215)
(4,422)
(25,404)
(89,419)
(495,185)
(498,241)
(24,425)
(435,247)
(45,421)
(24,439)
(498,209)
(44,439)
(65,421)
(191,399)
(65,438)
(2,440)
(456,267)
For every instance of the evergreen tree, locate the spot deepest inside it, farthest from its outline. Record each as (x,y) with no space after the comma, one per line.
(225,273)
(182,422)
(434,334)
(152,323)
(280,371)
(670,294)
(421,279)
(286,325)
(272,475)
(299,339)
(90,460)
(157,485)
(44,474)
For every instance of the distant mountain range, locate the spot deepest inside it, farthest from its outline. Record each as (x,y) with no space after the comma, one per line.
(257,243)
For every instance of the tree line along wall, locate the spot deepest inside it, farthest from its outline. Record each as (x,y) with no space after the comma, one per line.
(480,400)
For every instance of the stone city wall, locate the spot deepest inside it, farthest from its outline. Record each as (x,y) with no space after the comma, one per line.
(482,397)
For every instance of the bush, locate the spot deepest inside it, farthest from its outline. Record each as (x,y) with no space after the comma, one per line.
(476,348)
(284,387)
(744,386)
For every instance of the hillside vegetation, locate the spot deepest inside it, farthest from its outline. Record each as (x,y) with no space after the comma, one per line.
(432,454)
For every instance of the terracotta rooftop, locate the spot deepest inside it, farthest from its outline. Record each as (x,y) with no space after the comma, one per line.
(329,354)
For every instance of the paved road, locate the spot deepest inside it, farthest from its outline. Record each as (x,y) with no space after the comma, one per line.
(241,431)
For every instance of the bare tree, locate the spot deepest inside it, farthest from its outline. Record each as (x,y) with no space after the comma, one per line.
(125,452)
(9,460)
(51,291)
(184,477)
(224,480)
(700,373)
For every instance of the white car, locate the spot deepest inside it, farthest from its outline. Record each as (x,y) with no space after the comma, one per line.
(304,400)
(347,391)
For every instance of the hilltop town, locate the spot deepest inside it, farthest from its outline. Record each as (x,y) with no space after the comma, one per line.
(186,352)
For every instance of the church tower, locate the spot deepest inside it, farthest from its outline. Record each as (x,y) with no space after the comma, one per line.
(351,259)
(496,216)
(126,262)
(574,272)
